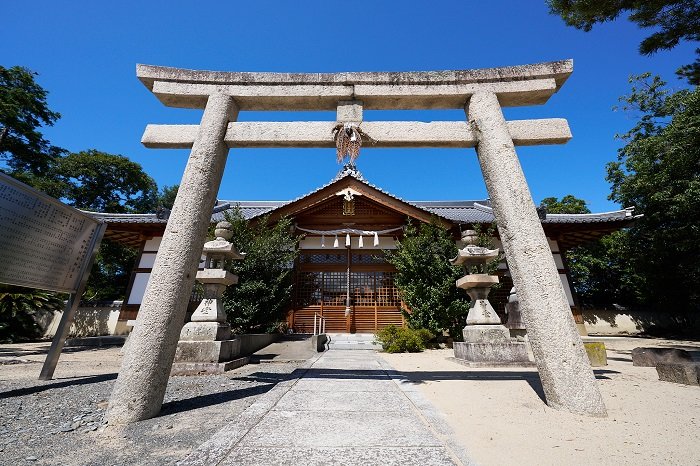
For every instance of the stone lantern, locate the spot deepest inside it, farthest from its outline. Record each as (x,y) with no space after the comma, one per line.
(205,344)
(486,340)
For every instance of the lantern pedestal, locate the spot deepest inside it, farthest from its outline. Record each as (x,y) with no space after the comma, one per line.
(205,345)
(486,341)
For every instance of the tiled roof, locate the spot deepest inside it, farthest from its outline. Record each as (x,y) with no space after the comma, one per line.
(128,218)
(455,211)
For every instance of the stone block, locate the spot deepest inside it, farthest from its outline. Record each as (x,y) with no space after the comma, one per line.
(596,353)
(207,351)
(496,353)
(486,334)
(205,331)
(205,368)
(318,342)
(650,357)
(687,373)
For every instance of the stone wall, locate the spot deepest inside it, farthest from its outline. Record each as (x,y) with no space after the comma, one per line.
(250,343)
(629,322)
(91,319)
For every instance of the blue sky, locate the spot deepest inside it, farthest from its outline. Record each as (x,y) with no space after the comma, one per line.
(86,52)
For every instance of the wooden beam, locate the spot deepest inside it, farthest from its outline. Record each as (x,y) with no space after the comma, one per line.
(444,134)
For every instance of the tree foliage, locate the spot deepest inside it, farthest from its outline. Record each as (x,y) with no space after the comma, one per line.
(658,171)
(673,20)
(23,111)
(568,204)
(104,182)
(426,279)
(166,197)
(260,300)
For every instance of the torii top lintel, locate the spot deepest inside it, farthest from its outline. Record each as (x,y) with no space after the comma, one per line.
(514,85)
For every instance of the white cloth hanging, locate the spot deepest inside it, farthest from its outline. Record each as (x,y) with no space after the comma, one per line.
(361,243)
(335,243)
(347,240)
(376,239)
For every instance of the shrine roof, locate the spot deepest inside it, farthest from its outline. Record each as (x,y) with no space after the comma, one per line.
(572,229)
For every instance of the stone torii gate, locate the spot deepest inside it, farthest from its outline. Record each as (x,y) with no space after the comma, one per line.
(567,378)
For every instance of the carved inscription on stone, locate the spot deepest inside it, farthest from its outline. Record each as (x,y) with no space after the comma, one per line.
(43,243)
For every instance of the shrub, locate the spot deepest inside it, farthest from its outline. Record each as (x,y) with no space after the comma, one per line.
(18,306)
(403,340)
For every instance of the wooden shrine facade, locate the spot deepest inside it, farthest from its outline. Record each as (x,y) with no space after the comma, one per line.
(327,269)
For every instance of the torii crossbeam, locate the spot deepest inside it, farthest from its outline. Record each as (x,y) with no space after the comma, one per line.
(563,366)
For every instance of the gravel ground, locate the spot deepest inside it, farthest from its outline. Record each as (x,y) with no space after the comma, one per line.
(61,421)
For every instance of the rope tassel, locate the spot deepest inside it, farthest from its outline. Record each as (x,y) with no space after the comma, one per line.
(348,141)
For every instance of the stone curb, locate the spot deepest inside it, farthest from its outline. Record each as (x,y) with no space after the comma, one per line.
(435,420)
(223,441)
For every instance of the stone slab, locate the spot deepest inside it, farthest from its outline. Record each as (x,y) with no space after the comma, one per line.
(302,400)
(491,352)
(343,456)
(650,357)
(596,353)
(687,373)
(207,351)
(207,368)
(349,429)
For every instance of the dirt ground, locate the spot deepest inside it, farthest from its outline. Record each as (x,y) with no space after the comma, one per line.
(499,414)
(61,422)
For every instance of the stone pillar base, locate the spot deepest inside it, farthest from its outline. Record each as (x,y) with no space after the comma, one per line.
(207,351)
(492,354)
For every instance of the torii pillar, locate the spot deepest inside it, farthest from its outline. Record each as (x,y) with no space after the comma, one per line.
(140,388)
(567,379)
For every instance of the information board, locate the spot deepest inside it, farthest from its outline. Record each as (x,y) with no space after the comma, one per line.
(44,243)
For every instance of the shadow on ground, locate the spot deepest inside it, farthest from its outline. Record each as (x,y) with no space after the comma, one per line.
(54,385)
(532,378)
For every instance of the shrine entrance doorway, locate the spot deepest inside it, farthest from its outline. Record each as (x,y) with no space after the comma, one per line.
(322,285)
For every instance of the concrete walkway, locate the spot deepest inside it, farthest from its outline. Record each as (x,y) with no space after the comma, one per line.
(345,407)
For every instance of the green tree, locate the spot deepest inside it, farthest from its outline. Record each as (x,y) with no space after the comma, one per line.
(166,197)
(27,155)
(600,271)
(104,182)
(674,21)
(568,204)
(658,171)
(260,300)
(426,279)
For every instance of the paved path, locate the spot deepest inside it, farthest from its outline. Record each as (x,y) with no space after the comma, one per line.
(344,407)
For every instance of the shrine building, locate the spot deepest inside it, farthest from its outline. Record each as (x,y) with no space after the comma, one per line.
(345,226)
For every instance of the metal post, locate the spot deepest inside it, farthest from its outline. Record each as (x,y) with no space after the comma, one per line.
(71,307)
